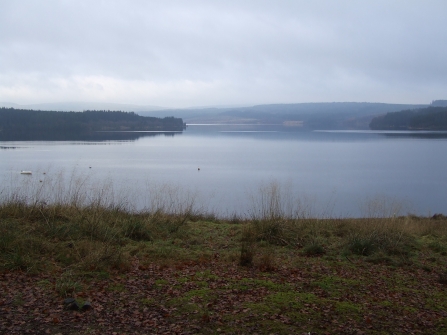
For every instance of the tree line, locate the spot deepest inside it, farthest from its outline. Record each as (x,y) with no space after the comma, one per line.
(24,121)
(431,118)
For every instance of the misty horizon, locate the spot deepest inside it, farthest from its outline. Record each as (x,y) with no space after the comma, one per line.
(95,105)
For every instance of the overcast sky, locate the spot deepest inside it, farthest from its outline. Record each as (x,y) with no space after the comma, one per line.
(198,53)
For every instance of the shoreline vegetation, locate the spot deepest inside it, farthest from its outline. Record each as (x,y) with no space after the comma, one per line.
(21,124)
(77,261)
(431,118)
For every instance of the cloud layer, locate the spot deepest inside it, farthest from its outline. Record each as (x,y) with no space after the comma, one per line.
(189,53)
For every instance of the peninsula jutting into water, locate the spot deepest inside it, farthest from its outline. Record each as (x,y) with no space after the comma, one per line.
(22,124)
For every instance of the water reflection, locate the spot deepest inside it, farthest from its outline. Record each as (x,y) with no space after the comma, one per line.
(94,136)
(429,135)
(3,147)
(417,134)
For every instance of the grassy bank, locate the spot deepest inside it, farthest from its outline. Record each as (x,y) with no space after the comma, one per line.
(183,271)
(60,237)
(175,268)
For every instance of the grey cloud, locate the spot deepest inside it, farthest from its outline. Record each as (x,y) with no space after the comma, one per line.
(210,52)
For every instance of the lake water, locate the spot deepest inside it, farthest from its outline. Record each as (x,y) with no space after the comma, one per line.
(338,173)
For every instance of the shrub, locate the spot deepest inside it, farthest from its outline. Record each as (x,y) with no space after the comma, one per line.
(266,260)
(386,239)
(247,246)
(363,246)
(247,254)
(271,231)
(314,249)
(67,285)
(437,247)
(443,278)
(137,230)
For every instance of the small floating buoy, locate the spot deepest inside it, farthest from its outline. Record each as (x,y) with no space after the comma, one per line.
(89,167)
(26,172)
(198,169)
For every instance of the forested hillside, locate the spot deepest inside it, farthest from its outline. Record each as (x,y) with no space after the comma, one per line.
(22,122)
(331,115)
(431,118)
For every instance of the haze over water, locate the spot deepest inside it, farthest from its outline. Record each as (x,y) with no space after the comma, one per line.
(335,173)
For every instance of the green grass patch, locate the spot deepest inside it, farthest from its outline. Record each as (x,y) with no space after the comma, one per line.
(348,308)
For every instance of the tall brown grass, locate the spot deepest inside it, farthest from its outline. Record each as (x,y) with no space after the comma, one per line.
(70,223)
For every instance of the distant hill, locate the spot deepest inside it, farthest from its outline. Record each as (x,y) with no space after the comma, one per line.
(332,115)
(430,118)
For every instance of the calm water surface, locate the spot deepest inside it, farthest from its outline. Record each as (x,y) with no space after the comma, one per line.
(336,173)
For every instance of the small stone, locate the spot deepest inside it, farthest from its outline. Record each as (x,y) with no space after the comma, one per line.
(71,304)
(74,306)
(87,306)
(69,301)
